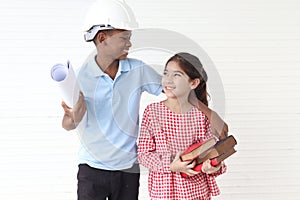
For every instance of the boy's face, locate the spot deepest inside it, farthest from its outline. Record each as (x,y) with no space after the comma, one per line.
(118,44)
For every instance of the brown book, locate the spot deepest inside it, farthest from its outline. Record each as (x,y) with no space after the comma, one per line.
(197,149)
(217,153)
(218,149)
(215,161)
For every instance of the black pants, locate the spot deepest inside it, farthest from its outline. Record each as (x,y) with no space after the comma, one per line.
(97,184)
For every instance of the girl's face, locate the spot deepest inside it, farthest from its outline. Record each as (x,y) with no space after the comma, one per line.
(176,83)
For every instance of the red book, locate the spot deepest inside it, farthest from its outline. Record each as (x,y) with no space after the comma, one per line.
(217,160)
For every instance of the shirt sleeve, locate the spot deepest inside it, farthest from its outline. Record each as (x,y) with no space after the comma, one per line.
(212,184)
(152,80)
(148,156)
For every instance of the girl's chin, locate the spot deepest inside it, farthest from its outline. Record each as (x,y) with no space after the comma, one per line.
(168,93)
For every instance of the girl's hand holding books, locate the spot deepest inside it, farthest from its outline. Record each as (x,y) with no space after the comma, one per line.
(209,169)
(180,166)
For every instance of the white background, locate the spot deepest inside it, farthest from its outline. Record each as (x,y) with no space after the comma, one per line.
(255,46)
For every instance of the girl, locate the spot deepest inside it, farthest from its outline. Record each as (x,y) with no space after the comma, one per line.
(169,127)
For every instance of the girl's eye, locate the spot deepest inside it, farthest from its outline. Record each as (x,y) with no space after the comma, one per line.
(177,74)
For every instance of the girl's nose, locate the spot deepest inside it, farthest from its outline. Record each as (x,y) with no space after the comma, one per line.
(169,79)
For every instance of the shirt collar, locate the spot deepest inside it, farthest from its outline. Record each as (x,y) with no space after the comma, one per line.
(96,71)
(124,65)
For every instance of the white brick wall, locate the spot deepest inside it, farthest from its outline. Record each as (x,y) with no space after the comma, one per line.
(255,46)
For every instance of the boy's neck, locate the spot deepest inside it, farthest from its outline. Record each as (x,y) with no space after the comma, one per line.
(109,67)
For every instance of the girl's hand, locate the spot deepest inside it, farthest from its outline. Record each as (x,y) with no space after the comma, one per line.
(186,167)
(209,169)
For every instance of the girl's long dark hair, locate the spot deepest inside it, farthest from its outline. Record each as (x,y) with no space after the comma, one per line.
(192,66)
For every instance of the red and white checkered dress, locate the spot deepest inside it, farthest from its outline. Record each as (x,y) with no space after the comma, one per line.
(164,133)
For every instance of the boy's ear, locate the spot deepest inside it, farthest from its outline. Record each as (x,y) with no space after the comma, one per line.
(100,37)
(195,83)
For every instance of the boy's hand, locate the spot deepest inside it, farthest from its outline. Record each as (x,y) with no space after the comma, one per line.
(74,115)
(79,109)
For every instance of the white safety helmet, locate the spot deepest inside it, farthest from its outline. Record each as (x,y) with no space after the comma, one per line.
(107,15)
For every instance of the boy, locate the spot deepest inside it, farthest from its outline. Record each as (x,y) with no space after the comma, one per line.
(111,86)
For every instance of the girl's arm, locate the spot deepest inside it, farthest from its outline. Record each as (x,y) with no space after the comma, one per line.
(148,156)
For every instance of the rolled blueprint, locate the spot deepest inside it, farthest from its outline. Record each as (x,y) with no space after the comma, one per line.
(65,76)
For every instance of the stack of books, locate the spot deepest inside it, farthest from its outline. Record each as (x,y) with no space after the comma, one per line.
(216,151)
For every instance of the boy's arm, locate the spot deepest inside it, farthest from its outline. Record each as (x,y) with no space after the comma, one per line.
(216,121)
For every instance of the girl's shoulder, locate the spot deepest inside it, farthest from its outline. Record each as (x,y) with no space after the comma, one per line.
(155,110)
(156,106)
(197,111)
(198,114)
